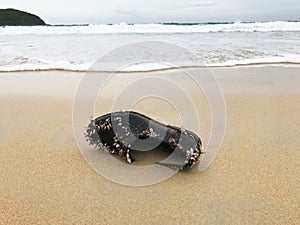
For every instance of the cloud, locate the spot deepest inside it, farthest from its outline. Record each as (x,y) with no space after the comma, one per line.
(182,6)
(203,3)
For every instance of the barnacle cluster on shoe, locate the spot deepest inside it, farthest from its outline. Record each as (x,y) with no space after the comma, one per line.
(117,130)
(148,133)
(120,149)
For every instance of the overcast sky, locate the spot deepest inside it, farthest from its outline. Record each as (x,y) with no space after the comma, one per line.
(154,11)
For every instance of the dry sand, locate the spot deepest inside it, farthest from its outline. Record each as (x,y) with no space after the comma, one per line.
(255,178)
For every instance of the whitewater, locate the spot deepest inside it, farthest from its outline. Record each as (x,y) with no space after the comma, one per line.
(77,48)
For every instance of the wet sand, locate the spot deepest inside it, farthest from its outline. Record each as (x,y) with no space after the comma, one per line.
(253,180)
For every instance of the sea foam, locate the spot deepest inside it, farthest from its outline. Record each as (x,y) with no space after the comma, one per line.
(78,48)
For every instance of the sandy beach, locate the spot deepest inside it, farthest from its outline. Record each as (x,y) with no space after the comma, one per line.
(254,179)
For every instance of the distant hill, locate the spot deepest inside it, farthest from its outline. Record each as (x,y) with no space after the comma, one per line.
(13,17)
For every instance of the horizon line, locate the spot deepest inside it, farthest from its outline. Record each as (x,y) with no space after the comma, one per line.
(173,23)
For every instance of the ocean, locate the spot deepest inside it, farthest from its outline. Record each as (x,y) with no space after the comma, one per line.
(77,48)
